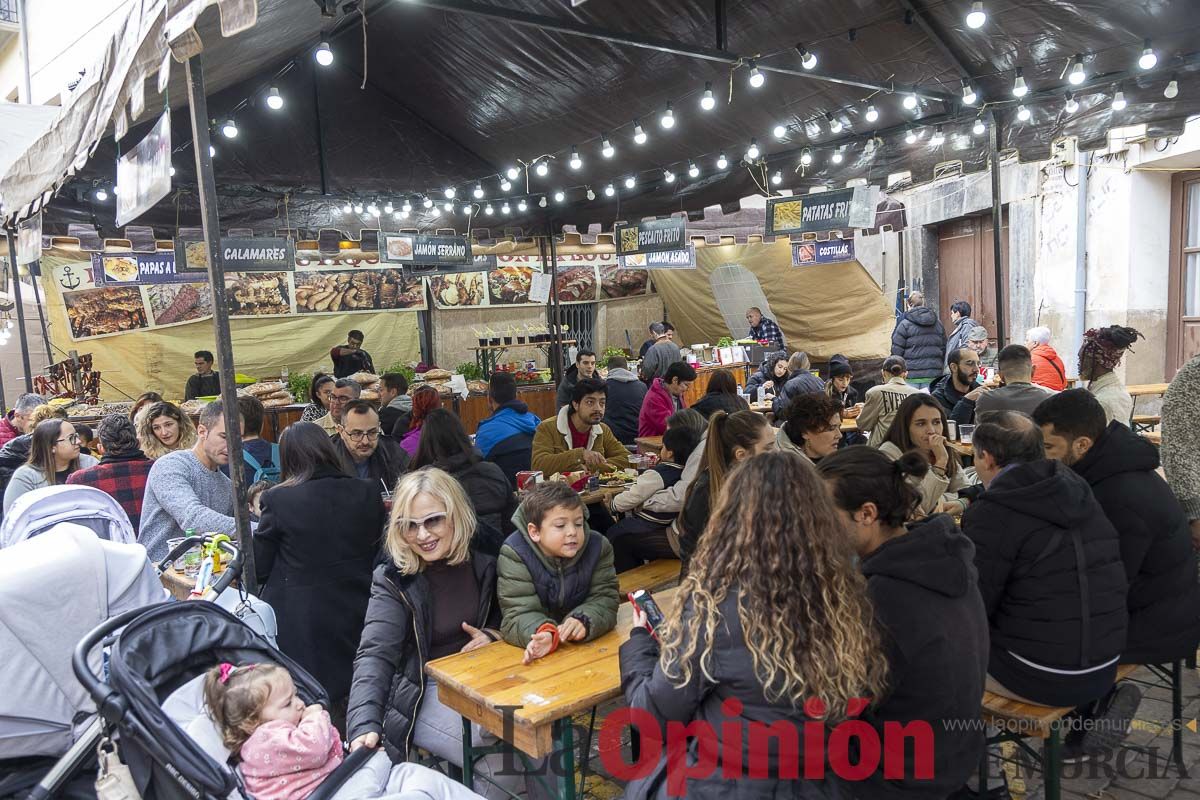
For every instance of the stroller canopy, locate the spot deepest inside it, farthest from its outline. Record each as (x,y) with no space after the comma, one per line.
(38,511)
(54,589)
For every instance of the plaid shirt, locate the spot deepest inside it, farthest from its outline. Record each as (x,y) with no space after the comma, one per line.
(768,330)
(122,477)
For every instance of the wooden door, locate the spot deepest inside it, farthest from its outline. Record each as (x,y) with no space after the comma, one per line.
(1183,314)
(966,268)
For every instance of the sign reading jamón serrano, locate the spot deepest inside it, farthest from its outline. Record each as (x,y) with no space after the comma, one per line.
(429,255)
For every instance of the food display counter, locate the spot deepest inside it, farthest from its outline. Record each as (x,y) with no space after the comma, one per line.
(699,387)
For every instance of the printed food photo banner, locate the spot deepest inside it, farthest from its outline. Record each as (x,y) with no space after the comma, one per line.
(582,278)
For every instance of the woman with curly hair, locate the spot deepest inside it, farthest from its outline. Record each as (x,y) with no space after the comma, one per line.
(813,427)
(1100,354)
(163,429)
(776,627)
(425,399)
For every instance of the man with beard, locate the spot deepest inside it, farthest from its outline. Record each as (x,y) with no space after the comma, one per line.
(370,454)
(959,390)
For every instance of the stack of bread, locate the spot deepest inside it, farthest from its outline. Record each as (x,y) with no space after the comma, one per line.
(272,394)
(368,382)
(440,380)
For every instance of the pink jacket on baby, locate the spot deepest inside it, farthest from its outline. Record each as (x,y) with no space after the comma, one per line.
(281,761)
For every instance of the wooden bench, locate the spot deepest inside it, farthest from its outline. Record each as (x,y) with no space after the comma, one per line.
(653,576)
(1031,719)
(1144,422)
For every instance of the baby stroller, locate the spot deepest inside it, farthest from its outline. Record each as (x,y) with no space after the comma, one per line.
(152,694)
(36,512)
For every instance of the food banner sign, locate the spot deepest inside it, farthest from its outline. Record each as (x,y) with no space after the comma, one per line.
(831,252)
(653,236)
(667,259)
(843,210)
(261,254)
(581,278)
(134,269)
(429,255)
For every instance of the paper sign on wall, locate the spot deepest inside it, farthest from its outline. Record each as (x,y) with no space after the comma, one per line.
(539,287)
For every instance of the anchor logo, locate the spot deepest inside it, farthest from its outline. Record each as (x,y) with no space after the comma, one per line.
(69,279)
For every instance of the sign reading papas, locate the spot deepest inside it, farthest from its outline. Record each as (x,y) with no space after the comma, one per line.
(654,236)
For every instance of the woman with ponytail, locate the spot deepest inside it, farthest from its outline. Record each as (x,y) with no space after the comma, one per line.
(921,579)
(920,427)
(732,438)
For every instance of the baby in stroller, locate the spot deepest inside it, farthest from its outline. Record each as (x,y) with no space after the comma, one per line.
(286,749)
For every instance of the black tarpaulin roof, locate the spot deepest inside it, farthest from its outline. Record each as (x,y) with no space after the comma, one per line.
(451,98)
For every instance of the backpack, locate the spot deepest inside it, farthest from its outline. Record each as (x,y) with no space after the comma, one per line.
(271,472)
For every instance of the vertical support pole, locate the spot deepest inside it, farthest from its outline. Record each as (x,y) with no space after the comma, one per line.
(556,306)
(37,296)
(721,22)
(206,185)
(16,279)
(23,22)
(320,132)
(997,231)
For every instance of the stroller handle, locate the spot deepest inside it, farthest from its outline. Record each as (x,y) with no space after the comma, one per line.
(231,573)
(99,691)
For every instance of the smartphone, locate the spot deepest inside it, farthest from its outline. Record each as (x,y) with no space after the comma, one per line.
(654,615)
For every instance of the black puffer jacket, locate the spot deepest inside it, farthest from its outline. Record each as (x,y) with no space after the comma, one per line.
(719,401)
(956,404)
(1027,528)
(802,382)
(389,670)
(733,678)
(766,373)
(1160,564)
(487,488)
(920,339)
(924,588)
(14,453)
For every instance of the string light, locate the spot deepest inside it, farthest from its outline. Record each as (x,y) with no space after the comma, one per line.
(542,169)
(173,169)
(976,17)
(505,185)
(389,208)
(449,207)
(513,173)
(504,209)
(1072,105)
(449,192)
(560,196)
(358,208)
(630,182)
(780,131)
(212,151)
(1118,101)
(346,209)
(1020,88)
(869,147)
(668,118)
(978,128)
(938,139)
(835,125)
(101,195)
(576,162)
(590,194)
(402,214)
(757,79)
(722,161)
(1077,75)
(970,96)
(777,178)
(399,215)
(910,101)
(668,176)
(1023,113)
(274,99)
(542,202)
(872,114)
(606,148)
(752,152)
(407,207)
(489,210)
(609,191)
(707,101)
(806,156)
(1148,59)
(466,209)
(1172,89)
(837,156)
(910,136)
(427,202)
(808,59)
(323,54)
(478,193)
(693,170)
(522,206)
(639,135)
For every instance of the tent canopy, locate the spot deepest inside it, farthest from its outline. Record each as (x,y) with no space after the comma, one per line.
(450,95)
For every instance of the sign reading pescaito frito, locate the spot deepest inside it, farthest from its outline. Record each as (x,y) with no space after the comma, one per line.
(654,236)
(422,250)
(843,210)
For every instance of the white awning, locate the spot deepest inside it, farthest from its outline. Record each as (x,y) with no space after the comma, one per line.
(112,90)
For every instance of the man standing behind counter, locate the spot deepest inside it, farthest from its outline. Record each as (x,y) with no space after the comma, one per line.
(764,329)
(350,358)
(205,383)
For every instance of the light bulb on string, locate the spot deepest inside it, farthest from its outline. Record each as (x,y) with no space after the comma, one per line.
(835,125)
(591,195)
(478,193)
(837,156)
(1077,74)
(489,210)
(466,209)
(101,195)
(172,172)
(752,152)
(609,191)
(427,202)
(407,207)
(512,173)
(630,182)
(668,176)
(323,54)
(389,208)
(1118,101)
(358,208)
(872,114)
(346,209)
(449,191)
(398,215)
(373,210)
(707,101)
(522,206)
(1023,113)
(542,202)
(116,190)
(274,99)
(505,184)
(780,131)
(668,118)
(976,17)
(806,156)
(722,161)
(212,151)
(1020,88)
(448,207)
(970,96)
(505,209)
(639,135)
(910,136)
(978,128)
(1072,105)
(576,162)
(938,139)
(910,101)
(693,170)
(808,59)
(869,147)
(542,169)
(1172,90)
(756,79)
(606,148)
(402,214)
(1148,59)
(777,178)
(560,196)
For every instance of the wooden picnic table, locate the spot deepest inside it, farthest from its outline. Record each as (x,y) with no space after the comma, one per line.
(540,697)
(601,495)
(1154,437)
(649,444)
(179,585)
(964,450)
(1147,389)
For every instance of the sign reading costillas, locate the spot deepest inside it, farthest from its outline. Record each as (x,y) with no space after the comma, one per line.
(654,236)
(831,252)
(843,210)
(260,254)
(420,249)
(668,259)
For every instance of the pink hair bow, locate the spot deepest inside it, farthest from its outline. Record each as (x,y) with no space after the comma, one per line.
(227,669)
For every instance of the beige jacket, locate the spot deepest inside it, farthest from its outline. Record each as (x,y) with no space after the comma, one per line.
(935,489)
(1113,395)
(879,408)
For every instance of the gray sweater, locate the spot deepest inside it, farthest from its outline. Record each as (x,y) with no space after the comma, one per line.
(1181,437)
(182,493)
(27,477)
(662,355)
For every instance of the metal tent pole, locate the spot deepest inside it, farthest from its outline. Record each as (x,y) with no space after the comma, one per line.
(37,296)
(16,279)
(997,230)
(206,185)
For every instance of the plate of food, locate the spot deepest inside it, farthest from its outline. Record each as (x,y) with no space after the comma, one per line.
(195,255)
(510,285)
(618,281)
(576,284)
(464,289)
(399,248)
(120,269)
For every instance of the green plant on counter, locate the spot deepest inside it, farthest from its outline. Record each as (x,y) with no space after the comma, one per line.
(404,369)
(299,384)
(608,353)
(725,341)
(470,371)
